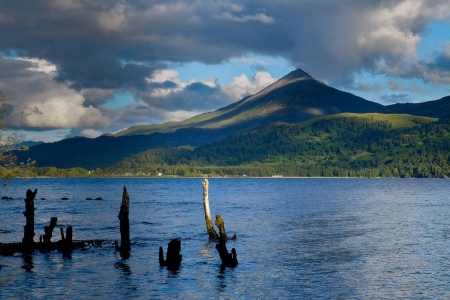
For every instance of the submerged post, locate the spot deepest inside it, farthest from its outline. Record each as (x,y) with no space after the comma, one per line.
(173,256)
(228,259)
(221,225)
(49,232)
(66,242)
(125,222)
(28,234)
(209,227)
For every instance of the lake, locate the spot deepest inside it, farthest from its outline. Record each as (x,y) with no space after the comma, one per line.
(296,238)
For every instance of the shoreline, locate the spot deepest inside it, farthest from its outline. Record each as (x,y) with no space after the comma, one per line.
(227,177)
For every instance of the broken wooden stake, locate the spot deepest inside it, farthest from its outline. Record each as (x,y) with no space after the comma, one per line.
(125,223)
(48,232)
(209,227)
(228,259)
(28,234)
(221,225)
(66,242)
(173,256)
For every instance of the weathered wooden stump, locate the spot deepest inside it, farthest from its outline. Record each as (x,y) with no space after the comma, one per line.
(125,245)
(228,259)
(173,256)
(66,242)
(48,232)
(209,226)
(28,234)
(221,225)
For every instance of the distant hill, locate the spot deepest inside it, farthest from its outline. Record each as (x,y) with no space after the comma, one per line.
(294,98)
(368,145)
(108,150)
(435,109)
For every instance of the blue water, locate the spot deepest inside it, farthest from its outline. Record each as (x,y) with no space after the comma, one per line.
(296,238)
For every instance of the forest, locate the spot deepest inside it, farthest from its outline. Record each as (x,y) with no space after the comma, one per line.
(342,146)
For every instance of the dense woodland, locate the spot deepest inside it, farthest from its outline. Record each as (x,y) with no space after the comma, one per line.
(341,146)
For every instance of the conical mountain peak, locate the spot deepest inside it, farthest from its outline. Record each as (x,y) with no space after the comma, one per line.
(299,73)
(293,98)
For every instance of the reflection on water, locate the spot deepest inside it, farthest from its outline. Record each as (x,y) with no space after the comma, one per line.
(297,238)
(27,263)
(121,266)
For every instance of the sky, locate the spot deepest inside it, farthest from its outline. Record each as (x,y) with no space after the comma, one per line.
(88,67)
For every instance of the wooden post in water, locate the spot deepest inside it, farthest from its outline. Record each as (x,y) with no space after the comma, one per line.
(209,227)
(173,256)
(221,225)
(66,242)
(228,259)
(125,222)
(28,234)
(48,232)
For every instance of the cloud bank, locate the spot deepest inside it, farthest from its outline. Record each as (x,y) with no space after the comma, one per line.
(63,60)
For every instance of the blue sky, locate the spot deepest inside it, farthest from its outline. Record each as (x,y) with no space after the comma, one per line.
(92,67)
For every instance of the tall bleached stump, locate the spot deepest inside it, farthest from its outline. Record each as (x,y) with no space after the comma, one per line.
(209,225)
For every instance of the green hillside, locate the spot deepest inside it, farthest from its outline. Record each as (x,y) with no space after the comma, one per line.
(339,145)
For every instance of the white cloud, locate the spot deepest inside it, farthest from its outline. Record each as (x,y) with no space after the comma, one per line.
(241,86)
(39,65)
(250,61)
(260,17)
(40,102)
(161,76)
(91,133)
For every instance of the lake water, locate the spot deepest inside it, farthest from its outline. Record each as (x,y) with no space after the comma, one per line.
(296,238)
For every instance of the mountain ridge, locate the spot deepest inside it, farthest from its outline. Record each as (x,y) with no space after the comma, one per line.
(294,98)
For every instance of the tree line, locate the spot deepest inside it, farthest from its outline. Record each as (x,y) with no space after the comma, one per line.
(328,147)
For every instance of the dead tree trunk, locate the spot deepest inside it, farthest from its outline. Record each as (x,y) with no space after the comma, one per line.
(28,234)
(125,222)
(173,257)
(221,225)
(228,259)
(209,226)
(48,232)
(66,242)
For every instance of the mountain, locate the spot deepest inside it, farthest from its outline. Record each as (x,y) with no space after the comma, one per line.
(435,109)
(368,145)
(294,98)
(108,150)
(28,144)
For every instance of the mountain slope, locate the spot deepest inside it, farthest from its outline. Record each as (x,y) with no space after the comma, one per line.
(339,145)
(108,150)
(435,109)
(294,98)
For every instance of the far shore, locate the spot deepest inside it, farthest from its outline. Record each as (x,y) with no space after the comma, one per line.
(218,177)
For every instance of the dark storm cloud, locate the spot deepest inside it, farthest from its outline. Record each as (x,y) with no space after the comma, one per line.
(88,39)
(100,48)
